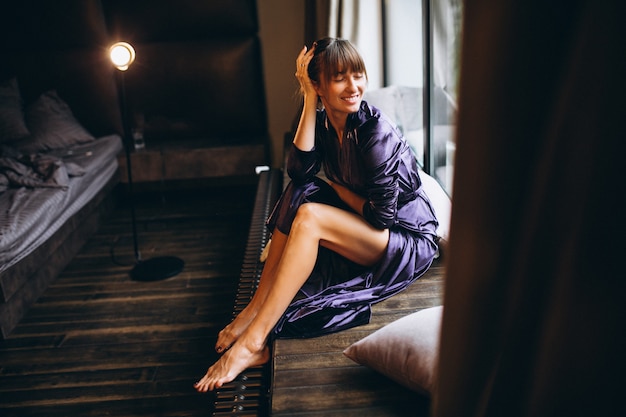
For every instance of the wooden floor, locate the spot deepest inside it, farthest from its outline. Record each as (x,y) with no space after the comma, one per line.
(100,344)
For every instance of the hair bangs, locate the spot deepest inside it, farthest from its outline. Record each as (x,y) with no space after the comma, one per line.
(341,57)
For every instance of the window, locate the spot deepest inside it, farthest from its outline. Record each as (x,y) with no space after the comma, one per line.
(411,50)
(444,66)
(422,48)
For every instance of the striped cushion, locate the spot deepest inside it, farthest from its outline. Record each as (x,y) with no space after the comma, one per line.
(52,125)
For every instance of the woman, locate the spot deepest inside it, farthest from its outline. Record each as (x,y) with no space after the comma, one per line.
(337,245)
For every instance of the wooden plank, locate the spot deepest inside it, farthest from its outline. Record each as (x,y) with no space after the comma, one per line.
(191,161)
(361,392)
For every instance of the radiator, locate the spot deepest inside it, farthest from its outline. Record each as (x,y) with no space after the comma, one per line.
(248,394)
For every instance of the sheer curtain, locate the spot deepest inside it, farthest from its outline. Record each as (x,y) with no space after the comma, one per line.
(360,21)
(446,39)
(534,307)
(445,18)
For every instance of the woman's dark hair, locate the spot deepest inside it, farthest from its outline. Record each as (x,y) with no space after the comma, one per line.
(333,56)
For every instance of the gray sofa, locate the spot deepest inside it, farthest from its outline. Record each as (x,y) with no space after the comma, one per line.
(56,182)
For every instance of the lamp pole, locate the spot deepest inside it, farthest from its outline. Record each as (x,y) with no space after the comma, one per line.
(129,169)
(122,55)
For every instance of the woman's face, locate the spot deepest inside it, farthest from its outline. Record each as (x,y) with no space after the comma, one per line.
(342,94)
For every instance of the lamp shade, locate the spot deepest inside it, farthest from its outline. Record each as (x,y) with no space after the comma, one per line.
(122,55)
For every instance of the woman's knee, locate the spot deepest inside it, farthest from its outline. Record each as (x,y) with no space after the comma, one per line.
(307,218)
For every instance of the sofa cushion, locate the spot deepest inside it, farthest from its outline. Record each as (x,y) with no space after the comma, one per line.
(442,204)
(12,123)
(405,350)
(52,125)
(387,100)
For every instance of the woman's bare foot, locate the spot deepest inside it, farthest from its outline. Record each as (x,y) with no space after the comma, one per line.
(236,360)
(229,334)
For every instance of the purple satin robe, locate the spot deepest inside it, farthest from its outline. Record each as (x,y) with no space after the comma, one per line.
(375,161)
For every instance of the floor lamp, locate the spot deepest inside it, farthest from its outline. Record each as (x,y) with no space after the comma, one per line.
(122,55)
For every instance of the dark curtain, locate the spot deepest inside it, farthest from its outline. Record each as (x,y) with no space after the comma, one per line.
(535,309)
(316,20)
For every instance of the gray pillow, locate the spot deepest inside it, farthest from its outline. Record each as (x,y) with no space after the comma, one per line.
(405,350)
(52,125)
(386,100)
(12,124)
(410,108)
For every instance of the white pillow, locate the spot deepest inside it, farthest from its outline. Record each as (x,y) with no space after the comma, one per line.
(441,203)
(405,350)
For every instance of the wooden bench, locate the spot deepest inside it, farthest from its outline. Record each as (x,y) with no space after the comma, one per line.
(312,377)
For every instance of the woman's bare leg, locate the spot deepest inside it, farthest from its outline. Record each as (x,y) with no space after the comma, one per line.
(233,330)
(315,224)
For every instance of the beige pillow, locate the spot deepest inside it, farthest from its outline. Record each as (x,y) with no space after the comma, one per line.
(405,350)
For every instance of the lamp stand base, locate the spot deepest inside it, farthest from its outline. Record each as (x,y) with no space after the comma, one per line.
(156,269)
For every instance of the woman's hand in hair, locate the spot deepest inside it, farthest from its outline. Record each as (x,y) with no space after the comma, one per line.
(304,138)
(302,65)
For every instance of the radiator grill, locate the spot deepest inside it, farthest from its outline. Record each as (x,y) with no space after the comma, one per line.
(248,394)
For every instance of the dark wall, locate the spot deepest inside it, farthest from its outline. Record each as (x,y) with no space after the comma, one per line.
(61,45)
(198,72)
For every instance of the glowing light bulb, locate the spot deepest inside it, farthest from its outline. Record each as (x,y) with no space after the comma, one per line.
(122,55)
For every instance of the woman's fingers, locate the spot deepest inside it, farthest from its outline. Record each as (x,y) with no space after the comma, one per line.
(304,57)
(302,63)
(301,55)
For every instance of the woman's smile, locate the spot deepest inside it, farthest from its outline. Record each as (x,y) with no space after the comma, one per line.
(353,99)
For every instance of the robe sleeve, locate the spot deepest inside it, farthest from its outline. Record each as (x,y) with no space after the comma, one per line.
(302,166)
(382,157)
